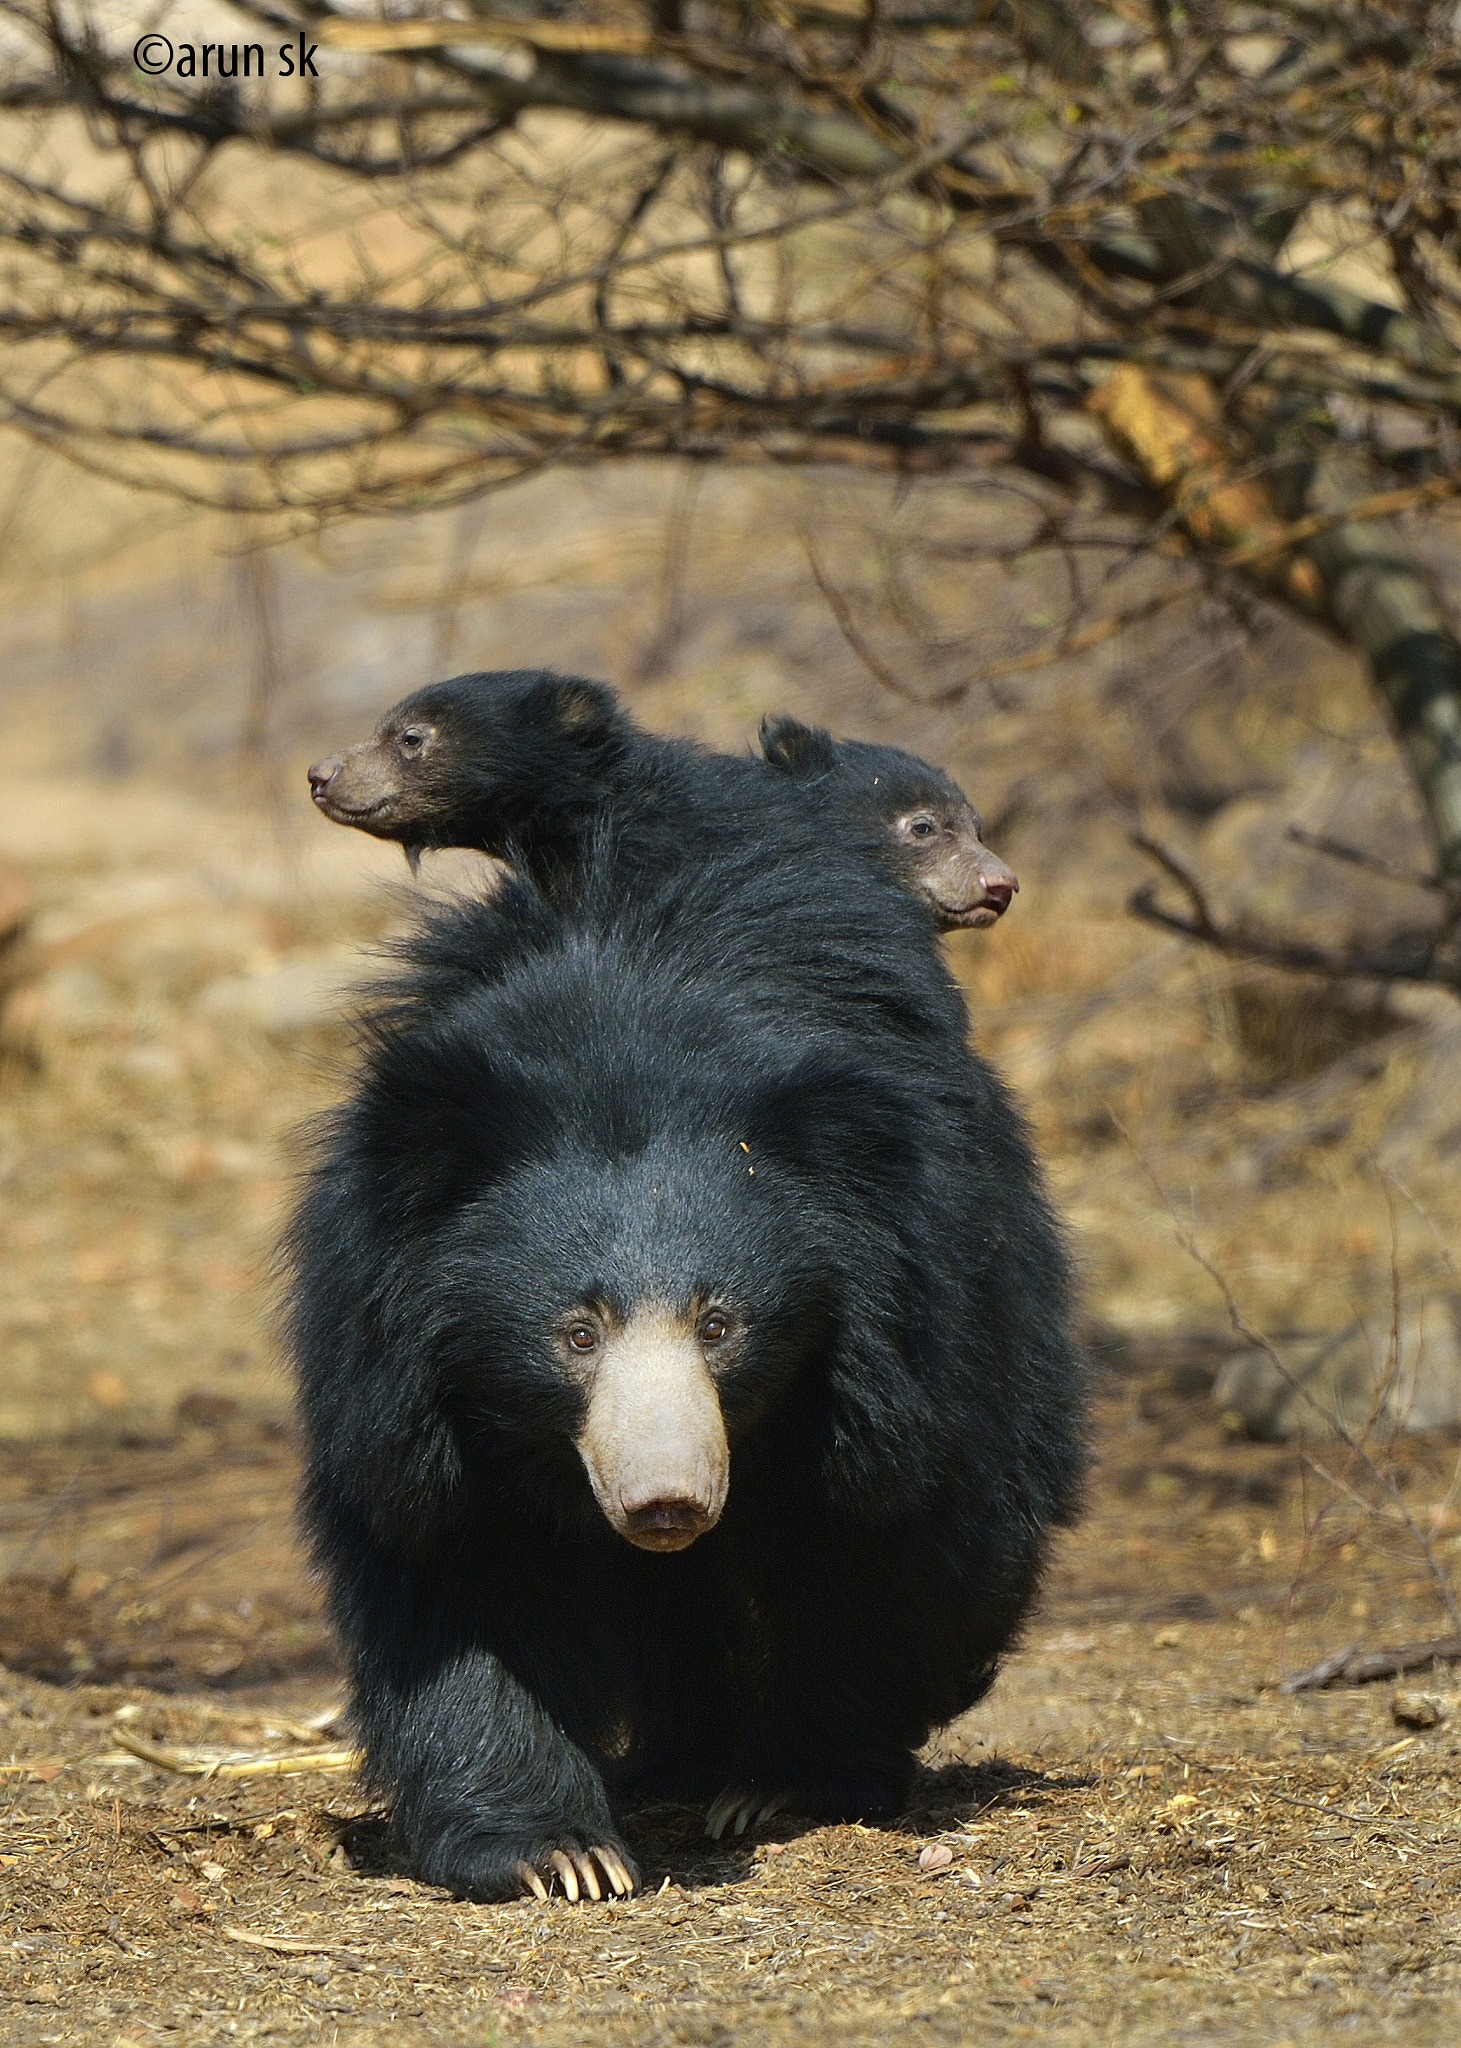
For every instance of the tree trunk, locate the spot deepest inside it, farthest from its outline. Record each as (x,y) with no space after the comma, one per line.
(1384,602)
(1374,593)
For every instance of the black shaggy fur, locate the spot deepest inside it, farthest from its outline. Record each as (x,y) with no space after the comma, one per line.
(536,768)
(567,1103)
(761,889)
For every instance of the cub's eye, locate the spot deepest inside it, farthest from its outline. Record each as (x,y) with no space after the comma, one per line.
(713,1328)
(920,827)
(413,739)
(583,1337)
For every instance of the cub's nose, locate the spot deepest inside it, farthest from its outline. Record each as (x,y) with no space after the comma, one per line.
(999,895)
(322,774)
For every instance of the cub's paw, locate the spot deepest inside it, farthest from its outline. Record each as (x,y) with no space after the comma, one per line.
(596,1872)
(737,1809)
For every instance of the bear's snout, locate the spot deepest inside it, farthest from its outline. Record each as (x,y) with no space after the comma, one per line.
(653,1438)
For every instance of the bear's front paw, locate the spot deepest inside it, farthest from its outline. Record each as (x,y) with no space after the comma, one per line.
(577,1872)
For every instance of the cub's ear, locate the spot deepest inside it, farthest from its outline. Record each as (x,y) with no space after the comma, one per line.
(805,751)
(579,705)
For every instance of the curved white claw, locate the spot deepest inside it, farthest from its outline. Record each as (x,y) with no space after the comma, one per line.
(579,1874)
(740,1810)
(721,1809)
(777,1803)
(614,1868)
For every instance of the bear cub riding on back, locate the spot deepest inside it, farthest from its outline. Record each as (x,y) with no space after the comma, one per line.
(523,763)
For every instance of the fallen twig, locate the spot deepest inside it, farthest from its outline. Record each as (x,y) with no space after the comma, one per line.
(226,1763)
(1327,1669)
(1353,1667)
(286,1944)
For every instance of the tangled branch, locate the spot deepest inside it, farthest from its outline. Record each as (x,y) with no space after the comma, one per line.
(1429,955)
(429,256)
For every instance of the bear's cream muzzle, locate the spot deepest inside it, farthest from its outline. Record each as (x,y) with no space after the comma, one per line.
(653,1438)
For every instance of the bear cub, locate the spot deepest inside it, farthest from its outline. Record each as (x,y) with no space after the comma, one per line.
(934,835)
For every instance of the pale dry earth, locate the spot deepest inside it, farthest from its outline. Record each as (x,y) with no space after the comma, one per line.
(1136,1838)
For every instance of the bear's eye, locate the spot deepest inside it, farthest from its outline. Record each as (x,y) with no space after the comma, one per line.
(583,1337)
(922,826)
(413,739)
(713,1328)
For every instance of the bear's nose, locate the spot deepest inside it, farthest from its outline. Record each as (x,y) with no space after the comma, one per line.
(322,774)
(667,1524)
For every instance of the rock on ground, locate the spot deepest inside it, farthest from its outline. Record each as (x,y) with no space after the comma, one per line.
(1373,1375)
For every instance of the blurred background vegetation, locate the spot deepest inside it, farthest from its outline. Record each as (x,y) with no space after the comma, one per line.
(1068,393)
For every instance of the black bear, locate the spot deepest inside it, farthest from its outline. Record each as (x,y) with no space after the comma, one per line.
(526,764)
(935,837)
(685,1359)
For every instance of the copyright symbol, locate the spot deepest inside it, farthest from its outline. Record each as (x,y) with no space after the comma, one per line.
(153,54)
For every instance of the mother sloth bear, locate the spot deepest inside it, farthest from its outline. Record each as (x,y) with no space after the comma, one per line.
(685,1358)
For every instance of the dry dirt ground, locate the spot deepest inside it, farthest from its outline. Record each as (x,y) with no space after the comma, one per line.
(1147,1841)
(1138,1838)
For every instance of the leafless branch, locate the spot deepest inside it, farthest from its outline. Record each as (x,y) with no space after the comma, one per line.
(1359,857)
(940,236)
(1410,956)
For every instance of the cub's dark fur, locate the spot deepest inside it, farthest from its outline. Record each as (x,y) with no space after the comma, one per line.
(527,765)
(933,838)
(530,766)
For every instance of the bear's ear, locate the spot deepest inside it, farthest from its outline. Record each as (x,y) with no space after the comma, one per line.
(841,1122)
(440,1119)
(804,751)
(580,706)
